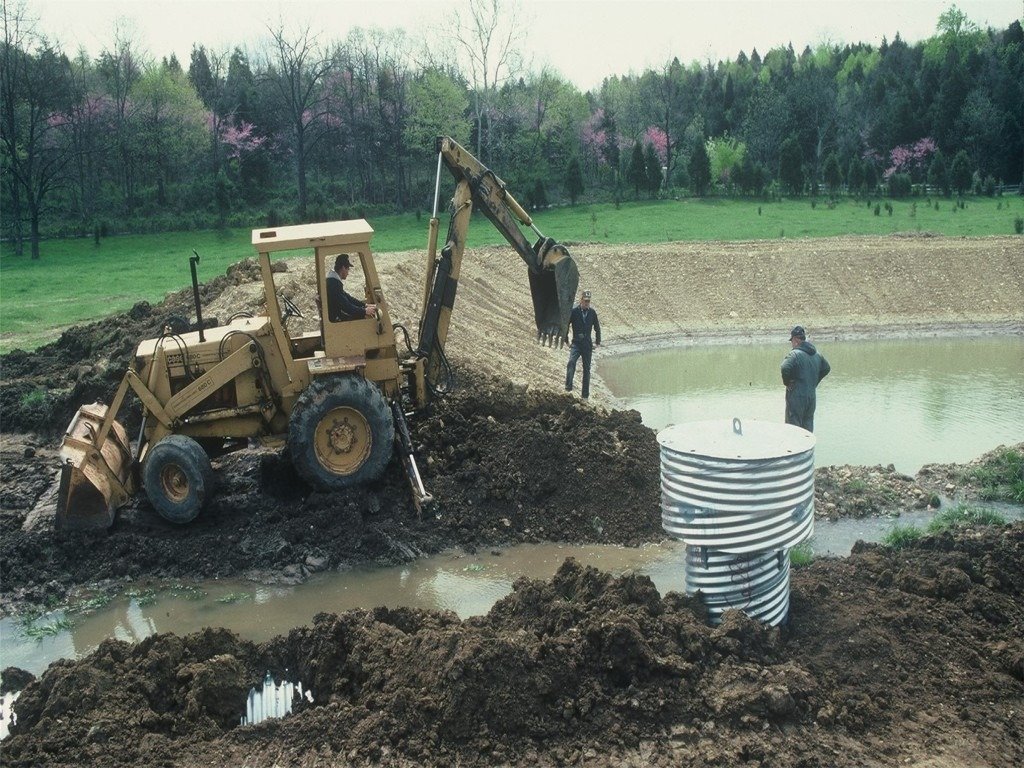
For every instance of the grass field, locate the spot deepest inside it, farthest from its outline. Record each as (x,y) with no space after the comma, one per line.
(75,281)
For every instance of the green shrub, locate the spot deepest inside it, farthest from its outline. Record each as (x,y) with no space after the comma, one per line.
(1018,225)
(902,536)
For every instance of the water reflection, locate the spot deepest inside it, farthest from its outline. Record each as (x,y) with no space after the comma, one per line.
(901,402)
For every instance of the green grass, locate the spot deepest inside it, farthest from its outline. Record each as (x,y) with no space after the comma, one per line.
(1001,477)
(955,518)
(902,536)
(33,626)
(801,555)
(964,516)
(75,281)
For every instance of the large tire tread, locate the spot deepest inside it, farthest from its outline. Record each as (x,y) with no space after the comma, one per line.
(182,455)
(324,394)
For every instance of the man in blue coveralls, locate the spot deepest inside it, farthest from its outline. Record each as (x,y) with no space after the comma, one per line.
(802,371)
(582,320)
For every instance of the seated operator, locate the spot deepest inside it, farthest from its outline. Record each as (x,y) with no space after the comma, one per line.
(340,305)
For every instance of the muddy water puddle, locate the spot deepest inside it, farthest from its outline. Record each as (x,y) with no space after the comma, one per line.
(901,402)
(466,584)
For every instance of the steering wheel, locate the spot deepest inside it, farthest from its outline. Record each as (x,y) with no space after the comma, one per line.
(290,310)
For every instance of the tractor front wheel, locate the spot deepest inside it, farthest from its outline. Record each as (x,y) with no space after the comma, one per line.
(178,478)
(341,432)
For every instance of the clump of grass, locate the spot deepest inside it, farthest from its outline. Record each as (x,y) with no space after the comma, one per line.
(856,485)
(801,555)
(35,398)
(187,592)
(142,597)
(902,536)
(1001,476)
(33,626)
(964,516)
(90,604)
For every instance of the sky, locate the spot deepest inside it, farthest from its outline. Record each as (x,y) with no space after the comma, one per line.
(584,40)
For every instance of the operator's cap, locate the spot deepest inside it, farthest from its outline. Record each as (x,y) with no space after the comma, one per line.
(342,261)
(586,295)
(798,332)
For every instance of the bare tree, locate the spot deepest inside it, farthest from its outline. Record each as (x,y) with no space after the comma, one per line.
(121,68)
(296,69)
(488,35)
(34,89)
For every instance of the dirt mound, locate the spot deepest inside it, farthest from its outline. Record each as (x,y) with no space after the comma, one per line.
(505,463)
(889,658)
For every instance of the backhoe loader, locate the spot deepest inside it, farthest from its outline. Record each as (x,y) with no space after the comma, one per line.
(337,398)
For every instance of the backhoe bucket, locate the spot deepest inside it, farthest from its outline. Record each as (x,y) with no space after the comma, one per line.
(553,286)
(93,482)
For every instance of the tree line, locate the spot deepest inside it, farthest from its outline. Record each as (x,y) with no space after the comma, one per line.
(305,130)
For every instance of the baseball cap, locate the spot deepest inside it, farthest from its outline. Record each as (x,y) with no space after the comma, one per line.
(586,295)
(798,332)
(342,261)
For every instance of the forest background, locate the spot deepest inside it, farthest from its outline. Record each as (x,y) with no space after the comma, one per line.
(305,128)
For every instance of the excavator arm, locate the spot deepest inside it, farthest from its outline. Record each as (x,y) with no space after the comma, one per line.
(553,274)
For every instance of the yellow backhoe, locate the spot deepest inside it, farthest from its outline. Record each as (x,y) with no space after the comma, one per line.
(338,398)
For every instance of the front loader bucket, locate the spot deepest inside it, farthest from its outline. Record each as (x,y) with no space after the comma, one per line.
(553,286)
(93,482)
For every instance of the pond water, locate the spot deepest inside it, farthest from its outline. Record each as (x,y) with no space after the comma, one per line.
(901,402)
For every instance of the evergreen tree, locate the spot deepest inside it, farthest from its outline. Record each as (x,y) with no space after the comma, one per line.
(700,169)
(960,174)
(832,174)
(870,177)
(652,165)
(791,172)
(636,173)
(938,174)
(573,179)
(855,176)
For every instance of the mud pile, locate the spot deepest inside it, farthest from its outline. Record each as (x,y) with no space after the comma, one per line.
(890,657)
(506,465)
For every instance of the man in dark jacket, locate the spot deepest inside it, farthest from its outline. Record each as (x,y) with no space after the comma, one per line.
(802,369)
(340,305)
(582,320)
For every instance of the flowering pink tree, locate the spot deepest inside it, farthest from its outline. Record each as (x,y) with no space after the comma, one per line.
(240,139)
(911,158)
(595,136)
(658,139)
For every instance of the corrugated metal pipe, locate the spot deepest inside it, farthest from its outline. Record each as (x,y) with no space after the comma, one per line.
(272,700)
(740,495)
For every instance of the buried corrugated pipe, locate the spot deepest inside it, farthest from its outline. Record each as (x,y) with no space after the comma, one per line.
(272,700)
(740,496)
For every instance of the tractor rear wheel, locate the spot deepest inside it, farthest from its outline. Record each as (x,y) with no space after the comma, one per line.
(178,478)
(341,432)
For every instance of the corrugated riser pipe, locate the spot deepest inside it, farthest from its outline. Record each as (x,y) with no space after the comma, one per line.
(740,495)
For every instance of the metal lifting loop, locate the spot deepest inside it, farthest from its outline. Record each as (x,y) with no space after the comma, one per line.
(737,426)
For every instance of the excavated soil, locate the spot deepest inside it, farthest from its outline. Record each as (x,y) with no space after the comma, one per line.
(910,657)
